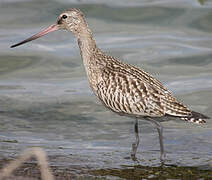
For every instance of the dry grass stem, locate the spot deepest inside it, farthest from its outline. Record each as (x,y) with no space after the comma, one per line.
(39,154)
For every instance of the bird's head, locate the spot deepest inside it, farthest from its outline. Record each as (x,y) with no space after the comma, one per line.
(71,20)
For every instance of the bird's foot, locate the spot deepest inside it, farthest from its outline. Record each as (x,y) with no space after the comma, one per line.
(133,152)
(163,158)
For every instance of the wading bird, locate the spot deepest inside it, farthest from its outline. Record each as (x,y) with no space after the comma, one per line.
(123,88)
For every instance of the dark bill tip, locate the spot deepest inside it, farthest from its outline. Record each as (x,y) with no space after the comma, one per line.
(18,44)
(14,45)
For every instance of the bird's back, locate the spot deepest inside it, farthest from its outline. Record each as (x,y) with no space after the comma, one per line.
(127,89)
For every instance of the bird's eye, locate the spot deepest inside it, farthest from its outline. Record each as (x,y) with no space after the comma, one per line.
(64,16)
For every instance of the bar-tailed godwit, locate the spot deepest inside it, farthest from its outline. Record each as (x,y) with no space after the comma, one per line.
(123,88)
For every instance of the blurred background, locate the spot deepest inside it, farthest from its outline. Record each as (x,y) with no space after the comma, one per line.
(46,100)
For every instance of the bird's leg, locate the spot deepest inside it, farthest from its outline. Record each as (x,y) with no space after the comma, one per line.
(160,133)
(136,143)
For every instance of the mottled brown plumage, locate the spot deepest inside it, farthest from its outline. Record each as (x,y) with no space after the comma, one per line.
(123,88)
(127,89)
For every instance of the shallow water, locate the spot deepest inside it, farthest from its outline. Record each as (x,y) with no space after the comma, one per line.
(46,100)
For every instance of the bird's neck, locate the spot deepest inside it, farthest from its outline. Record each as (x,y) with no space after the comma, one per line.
(87,47)
(86,44)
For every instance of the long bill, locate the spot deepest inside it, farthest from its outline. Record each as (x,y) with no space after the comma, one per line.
(51,28)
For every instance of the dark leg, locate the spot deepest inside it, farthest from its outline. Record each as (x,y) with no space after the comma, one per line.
(136,143)
(160,133)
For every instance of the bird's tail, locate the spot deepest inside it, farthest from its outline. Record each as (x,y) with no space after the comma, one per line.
(196,117)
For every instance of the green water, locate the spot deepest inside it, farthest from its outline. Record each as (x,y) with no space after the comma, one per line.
(46,100)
